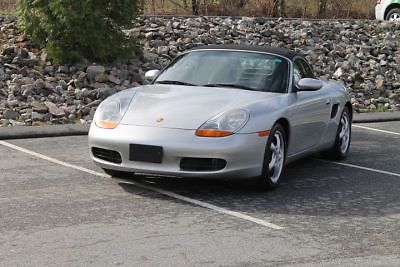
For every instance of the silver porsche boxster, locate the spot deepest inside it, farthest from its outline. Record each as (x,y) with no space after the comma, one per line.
(223,112)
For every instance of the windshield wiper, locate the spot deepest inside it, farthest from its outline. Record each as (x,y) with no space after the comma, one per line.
(174,82)
(229,85)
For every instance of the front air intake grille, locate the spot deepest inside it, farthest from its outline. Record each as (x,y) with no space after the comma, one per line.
(107,155)
(202,164)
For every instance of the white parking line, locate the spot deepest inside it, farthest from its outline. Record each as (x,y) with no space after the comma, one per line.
(160,191)
(360,167)
(206,205)
(375,130)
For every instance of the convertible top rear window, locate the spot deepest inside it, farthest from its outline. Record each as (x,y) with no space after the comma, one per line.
(236,69)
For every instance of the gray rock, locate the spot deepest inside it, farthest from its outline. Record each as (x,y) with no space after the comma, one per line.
(8,51)
(114,79)
(71,117)
(22,52)
(43,56)
(105,92)
(176,24)
(54,110)
(39,85)
(163,50)
(17,123)
(49,69)
(94,70)
(27,89)
(39,107)
(63,69)
(37,116)
(101,78)
(50,86)
(63,84)
(151,57)
(27,80)
(11,114)
(338,73)
(379,82)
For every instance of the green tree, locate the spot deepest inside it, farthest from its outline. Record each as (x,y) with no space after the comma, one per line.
(73,31)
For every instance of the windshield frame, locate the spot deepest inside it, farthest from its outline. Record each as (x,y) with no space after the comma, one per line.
(289,73)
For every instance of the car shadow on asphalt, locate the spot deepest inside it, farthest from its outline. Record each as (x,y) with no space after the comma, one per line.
(310,187)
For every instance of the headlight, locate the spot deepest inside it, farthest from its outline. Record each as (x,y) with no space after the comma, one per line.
(224,125)
(110,112)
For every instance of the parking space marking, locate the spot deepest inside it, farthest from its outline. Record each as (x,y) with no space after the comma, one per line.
(206,205)
(147,187)
(360,167)
(53,160)
(376,130)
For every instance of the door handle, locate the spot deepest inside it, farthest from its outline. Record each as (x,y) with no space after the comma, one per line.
(328,102)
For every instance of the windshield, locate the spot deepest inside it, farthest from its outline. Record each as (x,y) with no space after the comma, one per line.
(218,68)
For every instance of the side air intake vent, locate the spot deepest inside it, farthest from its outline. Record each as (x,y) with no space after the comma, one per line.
(202,164)
(335,109)
(107,155)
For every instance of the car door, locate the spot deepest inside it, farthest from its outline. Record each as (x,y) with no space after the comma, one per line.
(310,111)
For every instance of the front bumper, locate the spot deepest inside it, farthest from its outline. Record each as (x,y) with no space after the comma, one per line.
(380,12)
(244,153)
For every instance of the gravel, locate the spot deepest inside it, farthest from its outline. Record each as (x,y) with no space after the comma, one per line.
(364,55)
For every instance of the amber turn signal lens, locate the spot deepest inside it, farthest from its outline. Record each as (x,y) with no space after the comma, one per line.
(212,133)
(107,124)
(264,133)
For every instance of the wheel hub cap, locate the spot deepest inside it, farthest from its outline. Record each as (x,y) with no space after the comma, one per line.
(395,17)
(277,150)
(344,134)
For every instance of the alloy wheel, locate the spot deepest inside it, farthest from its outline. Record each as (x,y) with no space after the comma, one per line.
(395,17)
(277,150)
(344,134)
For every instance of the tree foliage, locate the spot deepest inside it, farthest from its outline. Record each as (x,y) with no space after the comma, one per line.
(73,31)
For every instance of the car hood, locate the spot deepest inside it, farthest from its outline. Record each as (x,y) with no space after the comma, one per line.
(185,107)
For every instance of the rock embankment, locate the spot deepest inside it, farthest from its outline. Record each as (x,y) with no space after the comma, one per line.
(365,55)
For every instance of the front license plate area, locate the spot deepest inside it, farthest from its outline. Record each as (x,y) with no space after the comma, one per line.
(145,153)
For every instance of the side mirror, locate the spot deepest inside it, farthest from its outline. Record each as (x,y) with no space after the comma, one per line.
(151,75)
(309,84)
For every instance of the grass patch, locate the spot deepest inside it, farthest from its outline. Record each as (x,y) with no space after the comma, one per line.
(380,108)
(7,13)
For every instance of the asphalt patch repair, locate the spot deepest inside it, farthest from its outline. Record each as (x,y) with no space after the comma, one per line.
(58,207)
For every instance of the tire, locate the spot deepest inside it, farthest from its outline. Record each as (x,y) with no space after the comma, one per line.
(274,159)
(118,174)
(393,15)
(341,147)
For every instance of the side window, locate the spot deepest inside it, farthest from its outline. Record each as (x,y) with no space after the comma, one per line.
(307,70)
(297,75)
(302,70)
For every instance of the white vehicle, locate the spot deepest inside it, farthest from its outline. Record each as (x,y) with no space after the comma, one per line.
(388,10)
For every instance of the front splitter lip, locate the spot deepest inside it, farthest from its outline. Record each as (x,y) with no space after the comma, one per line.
(244,153)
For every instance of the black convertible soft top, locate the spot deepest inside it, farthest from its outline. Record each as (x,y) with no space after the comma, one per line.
(284,52)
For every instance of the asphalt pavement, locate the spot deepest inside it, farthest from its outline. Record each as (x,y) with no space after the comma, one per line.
(59,209)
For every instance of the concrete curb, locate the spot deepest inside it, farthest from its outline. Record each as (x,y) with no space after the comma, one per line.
(376,117)
(20,132)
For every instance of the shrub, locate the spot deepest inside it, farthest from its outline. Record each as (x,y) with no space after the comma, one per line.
(74,31)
